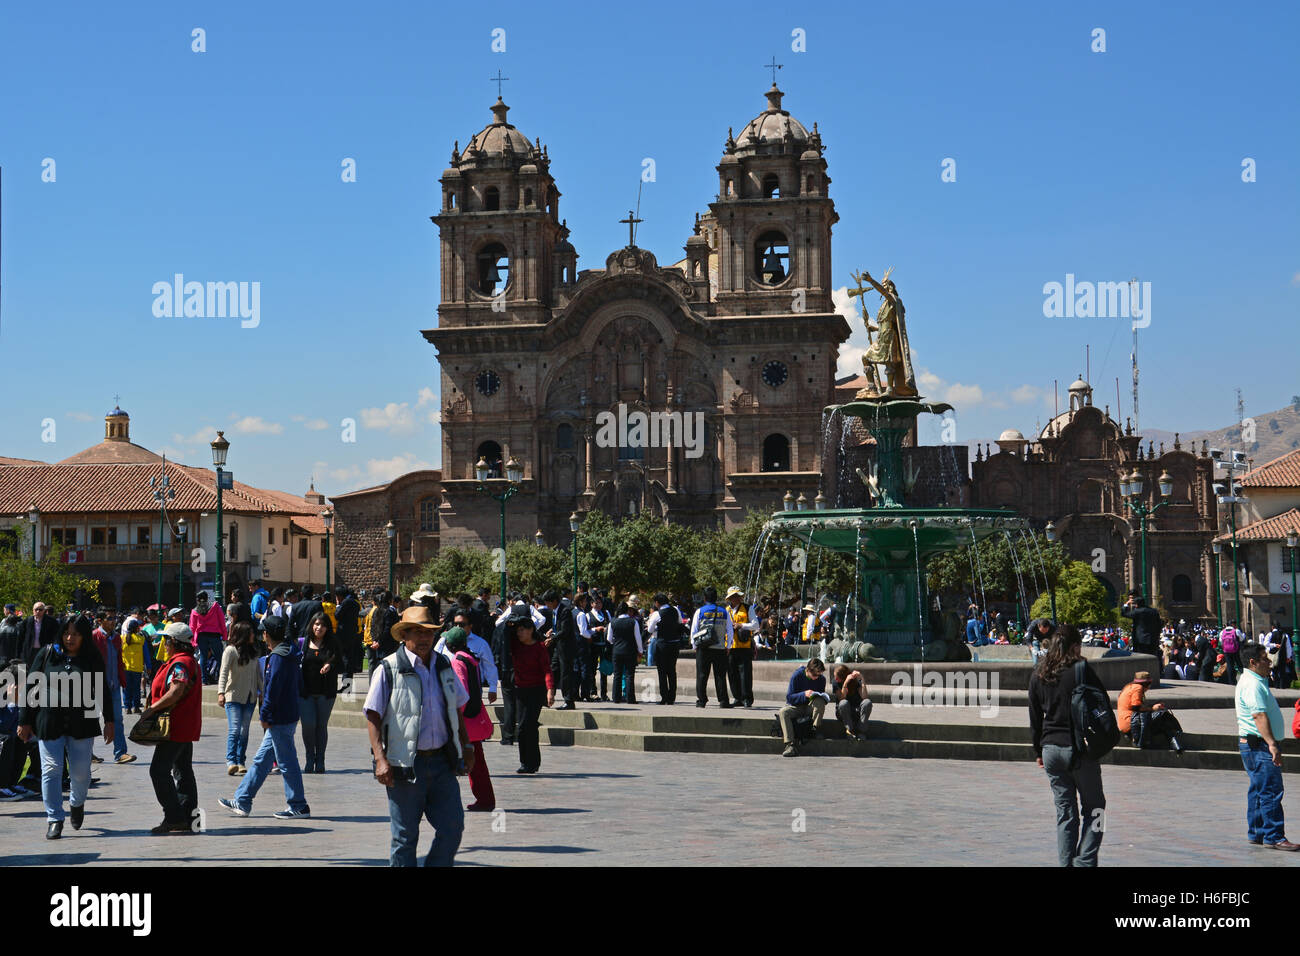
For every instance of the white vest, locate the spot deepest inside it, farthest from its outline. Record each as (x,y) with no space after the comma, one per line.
(401,723)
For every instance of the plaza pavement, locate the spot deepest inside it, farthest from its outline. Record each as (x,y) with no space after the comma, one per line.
(614,808)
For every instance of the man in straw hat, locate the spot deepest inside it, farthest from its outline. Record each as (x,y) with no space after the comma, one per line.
(419,741)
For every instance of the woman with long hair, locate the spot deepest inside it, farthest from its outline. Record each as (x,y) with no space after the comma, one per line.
(322,659)
(1075,779)
(56,715)
(239,688)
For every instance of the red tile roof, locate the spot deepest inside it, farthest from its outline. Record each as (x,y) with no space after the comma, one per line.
(112,452)
(65,489)
(18,461)
(1270,529)
(1281,472)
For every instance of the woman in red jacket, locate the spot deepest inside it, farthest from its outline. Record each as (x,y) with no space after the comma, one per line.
(534,685)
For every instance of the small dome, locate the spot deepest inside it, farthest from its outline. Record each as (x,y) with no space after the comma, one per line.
(498,137)
(117,413)
(772,127)
(1080,386)
(1011,434)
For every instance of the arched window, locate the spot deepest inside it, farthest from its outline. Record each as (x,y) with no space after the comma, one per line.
(771,186)
(451,200)
(812,185)
(528,198)
(731,188)
(490,452)
(776,453)
(491,199)
(232,547)
(772,258)
(1182,589)
(699,266)
(493,268)
(564,437)
(429,515)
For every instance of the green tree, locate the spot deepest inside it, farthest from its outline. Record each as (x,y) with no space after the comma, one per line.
(454,570)
(50,580)
(1080,598)
(641,554)
(535,570)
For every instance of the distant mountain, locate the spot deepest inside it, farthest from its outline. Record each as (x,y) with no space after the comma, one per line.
(1275,433)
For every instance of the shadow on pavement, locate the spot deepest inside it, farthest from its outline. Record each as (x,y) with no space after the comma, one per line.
(50,859)
(528,849)
(548,810)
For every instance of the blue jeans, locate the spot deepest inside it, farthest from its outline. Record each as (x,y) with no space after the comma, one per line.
(650,652)
(315,711)
(1074,790)
(434,795)
(53,753)
(238,718)
(1264,796)
(131,692)
(277,743)
(119,732)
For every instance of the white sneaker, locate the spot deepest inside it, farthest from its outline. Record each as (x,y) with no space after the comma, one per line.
(233,807)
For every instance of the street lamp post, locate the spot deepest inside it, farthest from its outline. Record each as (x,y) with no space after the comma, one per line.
(573,527)
(514,475)
(391,531)
(1131,489)
(162,493)
(1050,532)
(1218,587)
(1292,539)
(327,516)
(219,449)
(1232,499)
(33,515)
(181,532)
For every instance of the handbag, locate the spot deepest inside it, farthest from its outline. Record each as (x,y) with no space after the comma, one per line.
(151,729)
(606,666)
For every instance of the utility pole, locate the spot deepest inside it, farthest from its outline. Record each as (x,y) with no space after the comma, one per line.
(1137,426)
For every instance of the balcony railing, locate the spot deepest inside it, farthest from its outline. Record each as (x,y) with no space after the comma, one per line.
(127,553)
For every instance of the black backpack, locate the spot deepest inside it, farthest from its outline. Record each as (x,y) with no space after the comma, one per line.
(475,705)
(1092,719)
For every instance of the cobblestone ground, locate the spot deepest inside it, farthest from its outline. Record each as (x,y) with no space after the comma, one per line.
(614,808)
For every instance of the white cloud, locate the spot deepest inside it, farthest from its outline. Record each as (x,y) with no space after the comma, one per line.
(1026,394)
(204,436)
(380,470)
(968,395)
(427,395)
(256,425)
(81,416)
(297,418)
(316,424)
(395,417)
(1295,279)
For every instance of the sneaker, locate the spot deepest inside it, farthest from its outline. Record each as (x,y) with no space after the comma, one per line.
(289,813)
(8,795)
(231,770)
(96,759)
(233,807)
(789,751)
(276,769)
(125,758)
(27,794)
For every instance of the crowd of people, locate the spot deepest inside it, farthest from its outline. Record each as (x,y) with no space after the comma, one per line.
(286,654)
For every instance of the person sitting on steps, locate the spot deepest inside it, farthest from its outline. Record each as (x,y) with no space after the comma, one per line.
(852,705)
(806,695)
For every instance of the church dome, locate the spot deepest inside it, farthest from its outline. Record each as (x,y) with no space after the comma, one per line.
(772,127)
(1080,386)
(1011,434)
(498,137)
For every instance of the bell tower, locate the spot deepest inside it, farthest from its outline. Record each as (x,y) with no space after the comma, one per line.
(773,216)
(503,248)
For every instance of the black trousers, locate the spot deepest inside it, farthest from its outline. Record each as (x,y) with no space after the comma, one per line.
(562,658)
(715,659)
(740,670)
(530,701)
(509,712)
(172,773)
(624,672)
(666,664)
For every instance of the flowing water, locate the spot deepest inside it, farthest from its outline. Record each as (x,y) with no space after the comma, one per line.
(1020,581)
(920,605)
(984,603)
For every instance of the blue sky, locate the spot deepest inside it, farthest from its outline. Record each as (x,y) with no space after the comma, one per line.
(225,166)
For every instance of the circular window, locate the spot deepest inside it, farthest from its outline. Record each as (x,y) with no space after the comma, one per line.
(487,382)
(775,373)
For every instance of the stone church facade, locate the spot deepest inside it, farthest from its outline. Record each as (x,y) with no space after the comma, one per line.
(1071,475)
(740,334)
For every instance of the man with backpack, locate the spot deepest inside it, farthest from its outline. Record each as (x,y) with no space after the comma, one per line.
(665,628)
(1230,641)
(711,632)
(1073,727)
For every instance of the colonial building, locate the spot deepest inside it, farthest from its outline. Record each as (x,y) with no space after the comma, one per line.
(98,507)
(1070,475)
(361,534)
(739,335)
(1264,563)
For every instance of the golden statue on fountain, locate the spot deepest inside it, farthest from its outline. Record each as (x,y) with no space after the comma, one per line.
(890,347)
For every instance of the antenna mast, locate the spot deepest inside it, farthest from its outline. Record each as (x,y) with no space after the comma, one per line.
(1137,427)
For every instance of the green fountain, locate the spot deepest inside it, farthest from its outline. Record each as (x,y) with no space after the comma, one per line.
(889,615)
